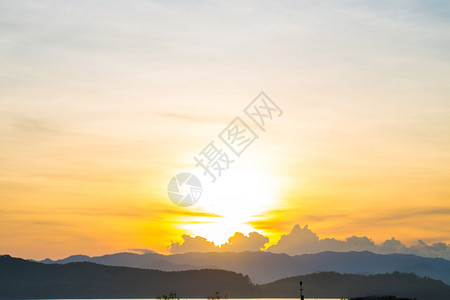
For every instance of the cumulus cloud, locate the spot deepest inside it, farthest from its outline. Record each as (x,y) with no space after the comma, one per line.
(192,244)
(240,243)
(434,250)
(303,241)
(298,240)
(392,246)
(237,243)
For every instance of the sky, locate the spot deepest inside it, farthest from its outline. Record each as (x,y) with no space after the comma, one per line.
(103,102)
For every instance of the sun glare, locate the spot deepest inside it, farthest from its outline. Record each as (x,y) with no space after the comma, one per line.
(236,198)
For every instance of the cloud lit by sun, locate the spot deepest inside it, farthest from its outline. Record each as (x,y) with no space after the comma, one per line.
(237,198)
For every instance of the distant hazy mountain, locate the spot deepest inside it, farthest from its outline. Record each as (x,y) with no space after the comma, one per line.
(25,279)
(263,267)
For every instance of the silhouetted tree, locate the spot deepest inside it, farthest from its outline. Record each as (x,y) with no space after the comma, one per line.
(171,296)
(217,296)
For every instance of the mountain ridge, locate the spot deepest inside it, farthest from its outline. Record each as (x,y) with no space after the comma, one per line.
(265,267)
(21,279)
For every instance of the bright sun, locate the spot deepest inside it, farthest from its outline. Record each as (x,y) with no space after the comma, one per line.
(237,197)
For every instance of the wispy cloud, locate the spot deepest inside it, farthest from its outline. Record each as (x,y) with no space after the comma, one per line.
(143,251)
(32,124)
(35,126)
(187,117)
(414,213)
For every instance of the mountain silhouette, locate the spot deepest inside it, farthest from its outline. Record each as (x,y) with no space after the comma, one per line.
(25,279)
(264,267)
(332,285)
(21,279)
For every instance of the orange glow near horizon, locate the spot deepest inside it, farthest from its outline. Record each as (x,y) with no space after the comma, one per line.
(101,106)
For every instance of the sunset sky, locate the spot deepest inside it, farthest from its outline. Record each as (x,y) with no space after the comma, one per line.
(102,102)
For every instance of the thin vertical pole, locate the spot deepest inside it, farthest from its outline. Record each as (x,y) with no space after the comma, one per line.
(301,291)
